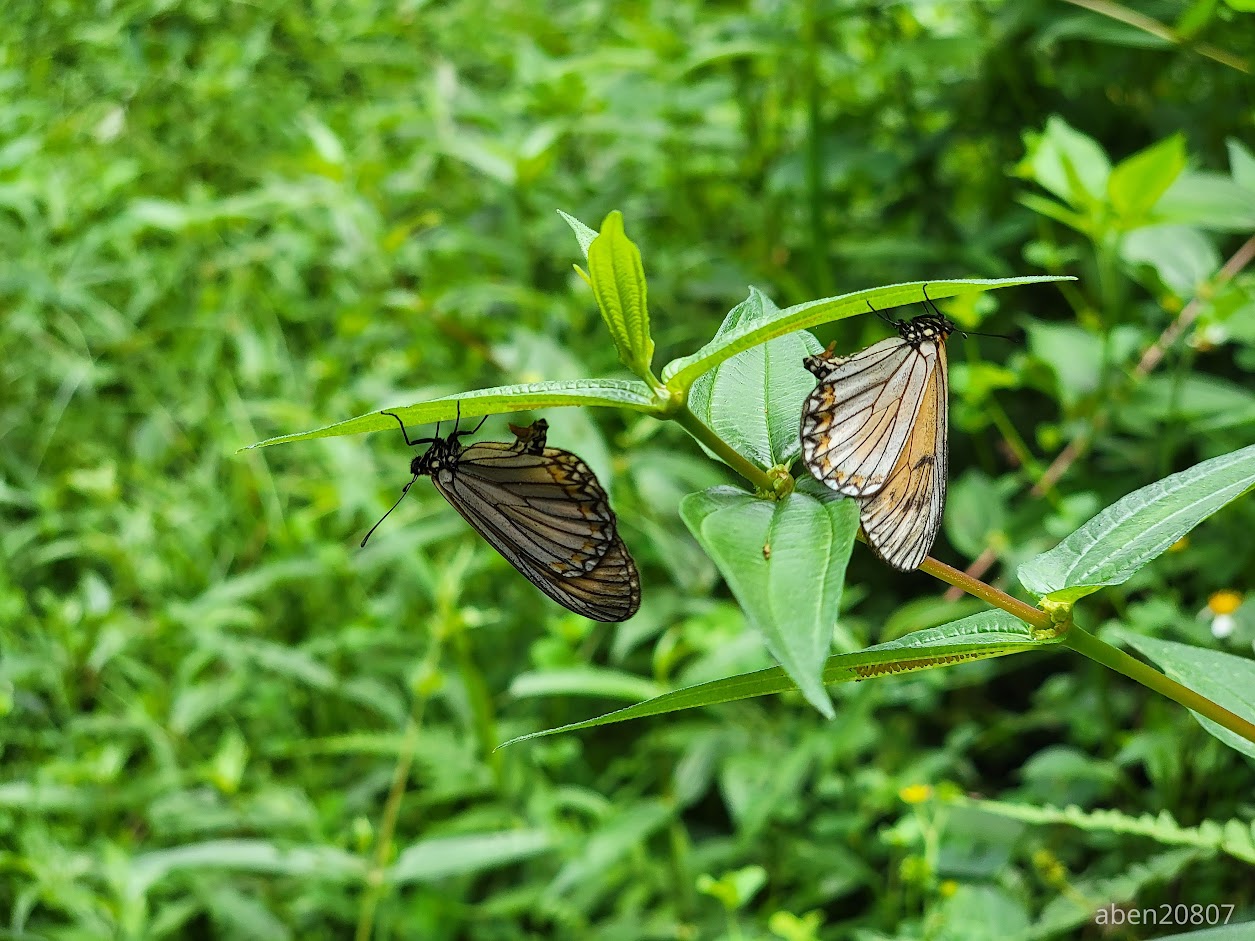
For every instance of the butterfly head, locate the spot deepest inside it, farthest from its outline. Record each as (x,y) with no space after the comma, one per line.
(926,328)
(442,453)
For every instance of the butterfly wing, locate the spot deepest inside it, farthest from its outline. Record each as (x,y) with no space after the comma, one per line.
(856,423)
(546,503)
(901,520)
(608,590)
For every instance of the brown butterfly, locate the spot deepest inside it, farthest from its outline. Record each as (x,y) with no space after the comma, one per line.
(542,508)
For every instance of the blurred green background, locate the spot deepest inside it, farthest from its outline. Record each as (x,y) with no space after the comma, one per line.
(222,222)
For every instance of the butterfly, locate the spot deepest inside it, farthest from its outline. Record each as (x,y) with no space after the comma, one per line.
(875,429)
(542,508)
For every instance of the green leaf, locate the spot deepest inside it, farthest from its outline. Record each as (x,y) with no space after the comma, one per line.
(583,681)
(1182,256)
(258,857)
(753,400)
(1057,211)
(679,374)
(438,858)
(1072,353)
(1137,182)
(981,913)
(1241,163)
(1223,678)
(623,833)
(785,563)
(979,637)
(583,234)
(1071,165)
(1124,537)
(1210,201)
(617,393)
(618,278)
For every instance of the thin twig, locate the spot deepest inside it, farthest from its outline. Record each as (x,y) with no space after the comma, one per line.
(1151,358)
(1157,29)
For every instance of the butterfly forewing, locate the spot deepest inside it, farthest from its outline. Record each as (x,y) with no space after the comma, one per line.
(875,429)
(548,504)
(902,519)
(857,421)
(544,510)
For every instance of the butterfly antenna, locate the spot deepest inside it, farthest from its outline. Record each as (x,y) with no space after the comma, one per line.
(929,303)
(885,317)
(390,509)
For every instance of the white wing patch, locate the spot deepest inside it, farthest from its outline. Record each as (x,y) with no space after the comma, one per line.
(902,519)
(857,422)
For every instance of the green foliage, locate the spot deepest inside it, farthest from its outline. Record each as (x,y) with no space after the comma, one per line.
(226,223)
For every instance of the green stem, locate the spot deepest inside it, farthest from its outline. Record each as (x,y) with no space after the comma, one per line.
(1087,645)
(392,807)
(1090,646)
(1034,617)
(726,453)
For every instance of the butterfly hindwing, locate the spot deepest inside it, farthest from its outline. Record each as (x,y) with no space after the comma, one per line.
(902,519)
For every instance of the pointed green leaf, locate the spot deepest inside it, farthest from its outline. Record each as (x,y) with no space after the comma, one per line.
(1221,677)
(1057,211)
(1241,163)
(785,563)
(1210,201)
(616,393)
(465,854)
(1124,537)
(979,637)
(1071,165)
(1137,182)
(752,400)
(583,234)
(618,277)
(679,374)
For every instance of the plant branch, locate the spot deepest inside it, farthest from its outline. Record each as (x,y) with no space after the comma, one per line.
(1034,617)
(1152,26)
(1087,645)
(726,453)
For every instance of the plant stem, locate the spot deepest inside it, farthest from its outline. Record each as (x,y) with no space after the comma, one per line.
(392,807)
(1081,641)
(726,453)
(1113,658)
(1034,617)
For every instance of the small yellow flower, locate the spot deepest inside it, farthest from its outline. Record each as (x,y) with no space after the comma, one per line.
(915,793)
(1224,602)
(948,888)
(1219,610)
